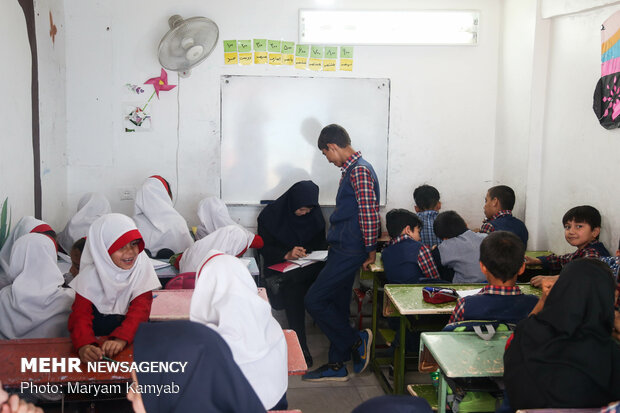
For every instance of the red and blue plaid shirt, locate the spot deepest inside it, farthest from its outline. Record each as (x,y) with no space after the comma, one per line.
(364,185)
(425,258)
(556,262)
(487,227)
(459,309)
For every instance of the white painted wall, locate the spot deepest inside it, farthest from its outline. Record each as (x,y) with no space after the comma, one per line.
(442,123)
(16,164)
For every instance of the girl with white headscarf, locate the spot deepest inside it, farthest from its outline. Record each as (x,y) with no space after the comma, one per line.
(225,299)
(213,214)
(113,288)
(24,226)
(90,207)
(230,240)
(163,229)
(35,305)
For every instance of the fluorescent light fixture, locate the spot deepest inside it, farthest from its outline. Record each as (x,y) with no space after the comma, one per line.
(389,27)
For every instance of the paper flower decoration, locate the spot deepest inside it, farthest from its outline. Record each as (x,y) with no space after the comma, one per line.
(160,83)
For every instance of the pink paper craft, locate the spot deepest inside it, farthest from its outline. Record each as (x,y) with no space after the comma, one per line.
(160,83)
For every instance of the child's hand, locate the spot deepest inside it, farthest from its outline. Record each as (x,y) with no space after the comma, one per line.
(538,280)
(547,284)
(295,253)
(532,261)
(14,404)
(90,352)
(113,346)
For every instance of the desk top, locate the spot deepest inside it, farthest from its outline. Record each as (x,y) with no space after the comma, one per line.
(406,299)
(296,361)
(467,355)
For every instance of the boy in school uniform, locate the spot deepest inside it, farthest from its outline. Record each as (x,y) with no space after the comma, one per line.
(498,204)
(582,226)
(427,206)
(354,227)
(501,261)
(459,250)
(406,260)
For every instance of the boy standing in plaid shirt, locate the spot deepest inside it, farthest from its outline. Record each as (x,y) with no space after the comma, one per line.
(352,238)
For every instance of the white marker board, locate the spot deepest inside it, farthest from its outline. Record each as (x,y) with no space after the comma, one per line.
(270,126)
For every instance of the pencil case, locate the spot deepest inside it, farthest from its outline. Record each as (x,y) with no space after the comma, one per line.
(438,295)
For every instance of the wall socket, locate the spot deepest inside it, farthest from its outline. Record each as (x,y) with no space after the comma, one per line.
(127,193)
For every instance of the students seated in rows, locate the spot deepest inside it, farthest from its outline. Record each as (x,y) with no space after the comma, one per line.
(163,229)
(213,214)
(24,226)
(427,206)
(90,207)
(498,204)
(226,300)
(582,226)
(35,305)
(564,356)
(460,249)
(113,289)
(406,260)
(212,381)
(501,261)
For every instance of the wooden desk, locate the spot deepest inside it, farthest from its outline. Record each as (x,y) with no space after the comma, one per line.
(296,362)
(401,300)
(464,354)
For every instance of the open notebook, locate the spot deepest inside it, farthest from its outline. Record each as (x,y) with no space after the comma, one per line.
(312,258)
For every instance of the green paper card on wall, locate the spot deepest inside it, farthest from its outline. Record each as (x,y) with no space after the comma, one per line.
(274,46)
(301,50)
(346,52)
(316,52)
(230,46)
(288,47)
(244,46)
(260,45)
(331,52)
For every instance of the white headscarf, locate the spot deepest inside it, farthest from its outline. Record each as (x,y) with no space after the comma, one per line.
(226,300)
(24,226)
(107,286)
(213,214)
(159,223)
(91,206)
(35,305)
(230,240)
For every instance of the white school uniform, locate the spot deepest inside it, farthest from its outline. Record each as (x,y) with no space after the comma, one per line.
(35,305)
(230,240)
(90,207)
(108,287)
(226,300)
(213,214)
(24,226)
(159,223)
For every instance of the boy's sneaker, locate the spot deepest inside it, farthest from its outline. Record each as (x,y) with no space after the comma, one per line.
(361,351)
(333,372)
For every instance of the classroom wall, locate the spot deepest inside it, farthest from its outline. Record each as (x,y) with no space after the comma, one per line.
(442,122)
(16,163)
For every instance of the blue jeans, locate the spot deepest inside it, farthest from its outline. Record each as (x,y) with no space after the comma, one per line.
(328,301)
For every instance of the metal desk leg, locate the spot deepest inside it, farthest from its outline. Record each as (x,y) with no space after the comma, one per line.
(443,392)
(399,367)
(375,295)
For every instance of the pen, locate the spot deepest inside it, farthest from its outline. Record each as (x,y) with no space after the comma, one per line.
(109,359)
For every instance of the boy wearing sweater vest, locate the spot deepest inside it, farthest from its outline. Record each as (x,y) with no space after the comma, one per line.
(501,261)
(498,204)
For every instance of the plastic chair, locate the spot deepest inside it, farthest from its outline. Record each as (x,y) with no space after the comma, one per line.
(183,281)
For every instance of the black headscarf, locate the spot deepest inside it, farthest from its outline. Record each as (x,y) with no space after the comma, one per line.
(212,381)
(280,220)
(564,356)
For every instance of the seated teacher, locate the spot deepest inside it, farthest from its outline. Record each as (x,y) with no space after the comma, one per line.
(291,227)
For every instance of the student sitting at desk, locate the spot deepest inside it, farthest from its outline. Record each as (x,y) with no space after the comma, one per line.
(163,229)
(498,204)
(406,260)
(90,207)
(225,300)
(113,289)
(460,249)
(564,356)
(501,261)
(582,226)
(35,305)
(212,381)
(427,206)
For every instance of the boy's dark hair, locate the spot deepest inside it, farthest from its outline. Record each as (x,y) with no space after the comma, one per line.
(583,213)
(502,253)
(426,197)
(504,194)
(79,245)
(333,134)
(51,233)
(397,219)
(449,224)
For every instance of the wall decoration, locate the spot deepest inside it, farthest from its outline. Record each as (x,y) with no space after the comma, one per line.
(607,91)
(136,119)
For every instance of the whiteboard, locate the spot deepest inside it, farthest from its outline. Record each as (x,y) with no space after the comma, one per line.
(270,126)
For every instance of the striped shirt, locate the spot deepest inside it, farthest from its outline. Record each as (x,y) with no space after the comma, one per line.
(425,258)
(459,309)
(556,262)
(487,227)
(427,234)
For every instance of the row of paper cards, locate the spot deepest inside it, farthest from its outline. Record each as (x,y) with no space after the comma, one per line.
(281,53)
